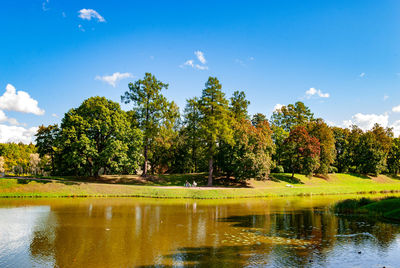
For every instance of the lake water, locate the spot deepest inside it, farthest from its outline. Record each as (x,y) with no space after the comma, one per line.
(132,232)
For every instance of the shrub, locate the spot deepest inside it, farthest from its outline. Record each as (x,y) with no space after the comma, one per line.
(278,169)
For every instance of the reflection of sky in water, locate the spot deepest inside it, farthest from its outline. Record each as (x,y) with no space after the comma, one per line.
(17,226)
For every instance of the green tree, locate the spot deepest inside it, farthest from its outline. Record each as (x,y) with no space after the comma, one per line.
(371,152)
(320,130)
(258,118)
(191,132)
(342,160)
(150,108)
(292,115)
(239,105)
(216,120)
(301,151)
(97,137)
(252,152)
(163,147)
(394,157)
(46,142)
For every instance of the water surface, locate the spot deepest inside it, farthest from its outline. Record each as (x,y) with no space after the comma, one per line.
(129,232)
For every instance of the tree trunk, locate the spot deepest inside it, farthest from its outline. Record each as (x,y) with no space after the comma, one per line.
(210,171)
(144,174)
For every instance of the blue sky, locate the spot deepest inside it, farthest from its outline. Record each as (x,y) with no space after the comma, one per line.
(339,57)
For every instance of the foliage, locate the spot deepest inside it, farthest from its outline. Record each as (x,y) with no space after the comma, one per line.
(16,157)
(394,157)
(292,115)
(238,105)
(150,108)
(215,125)
(320,130)
(371,150)
(97,138)
(301,151)
(214,135)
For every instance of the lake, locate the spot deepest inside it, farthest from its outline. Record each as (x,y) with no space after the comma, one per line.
(134,232)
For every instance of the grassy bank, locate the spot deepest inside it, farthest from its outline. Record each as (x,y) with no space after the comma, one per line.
(168,186)
(387,208)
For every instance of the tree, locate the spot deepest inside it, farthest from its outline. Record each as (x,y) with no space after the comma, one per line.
(46,139)
(258,118)
(239,105)
(2,169)
(34,161)
(96,138)
(394,157)
(192,132)
(228,153)
(320,130)
(215,120)
(292,115)
(163,147)
(372,149)
(301,151)
(252,152)
(150,108)
(342,160)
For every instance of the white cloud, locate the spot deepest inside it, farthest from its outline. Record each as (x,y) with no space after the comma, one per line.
(19,101)
(277,107)
(385,97)
(201,67)
(114,78)
(316,92)
(187,63)
(200,56)
(396,109)
(17,134)
(88,14)
(367,121)
(81,27)
(190,63)
(54,115)
(396,128)
(362,74)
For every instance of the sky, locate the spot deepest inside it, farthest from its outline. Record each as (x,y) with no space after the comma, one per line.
(341,58)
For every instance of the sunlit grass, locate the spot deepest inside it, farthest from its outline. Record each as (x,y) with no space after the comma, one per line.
(158,187)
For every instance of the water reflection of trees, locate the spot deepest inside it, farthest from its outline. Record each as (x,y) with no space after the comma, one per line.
(125,234)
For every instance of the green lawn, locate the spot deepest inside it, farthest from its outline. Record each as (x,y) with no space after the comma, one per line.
(388,208)
(169,186)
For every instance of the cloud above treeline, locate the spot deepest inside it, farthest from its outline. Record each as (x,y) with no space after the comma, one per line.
(114,78)
(19,101)
(191,63)
(312,92)
(89,14)
(17,134)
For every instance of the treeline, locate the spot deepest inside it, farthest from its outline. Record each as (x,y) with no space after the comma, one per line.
(19,158)
(214,134)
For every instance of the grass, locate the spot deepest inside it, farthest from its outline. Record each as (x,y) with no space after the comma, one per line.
(170,186)
(387,208)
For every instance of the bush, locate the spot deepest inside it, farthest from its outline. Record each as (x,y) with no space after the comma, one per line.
(333,169)
(278,169)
